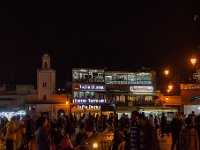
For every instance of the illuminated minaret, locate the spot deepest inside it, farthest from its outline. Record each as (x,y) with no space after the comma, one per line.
(46,79)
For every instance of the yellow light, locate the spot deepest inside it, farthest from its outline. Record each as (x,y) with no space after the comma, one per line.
(170,87)
(67,102)
(166,98)
(193,61)
(95,145)
(168,90)
(166,72)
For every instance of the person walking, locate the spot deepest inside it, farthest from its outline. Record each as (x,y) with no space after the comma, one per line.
(189,136)
(134,131)
(176,127)
(20,133)
(42,136)
(163,125)
(11,135)
(148,135)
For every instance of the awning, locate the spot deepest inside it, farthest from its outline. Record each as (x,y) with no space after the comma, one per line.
(158,109)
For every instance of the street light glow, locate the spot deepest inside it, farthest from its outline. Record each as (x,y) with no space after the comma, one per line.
(166,72)
(170,87)
(193,61)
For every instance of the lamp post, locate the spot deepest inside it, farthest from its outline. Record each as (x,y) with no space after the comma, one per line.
(166,72)
(193,61)
(170,86)
(172,82)
(196,75)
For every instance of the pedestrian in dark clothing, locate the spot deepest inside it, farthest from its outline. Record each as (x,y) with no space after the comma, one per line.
(117,138)
(126,138)
(80,136)
(135,131)
(163,125)
(148,135)
(58,137)
(189,137)
(42,136)
(30,128)
(175,126)
(197,127)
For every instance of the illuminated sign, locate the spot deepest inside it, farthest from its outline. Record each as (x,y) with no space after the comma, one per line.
(195,99)
(141,88)
(88,107)
(91,87)
(89,101)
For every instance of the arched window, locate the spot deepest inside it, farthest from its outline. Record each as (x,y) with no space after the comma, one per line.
(44,97)
(44,84)
(45,64)
(122,98)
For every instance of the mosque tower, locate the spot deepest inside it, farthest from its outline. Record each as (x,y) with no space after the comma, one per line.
(46,79)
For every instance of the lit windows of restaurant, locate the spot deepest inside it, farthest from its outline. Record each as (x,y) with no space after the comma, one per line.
(93,88)
(88,86)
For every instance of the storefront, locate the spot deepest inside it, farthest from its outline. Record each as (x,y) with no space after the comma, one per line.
(88,91)
(169,112)
(127,110)
(93,88)
(189,108)
(190,98)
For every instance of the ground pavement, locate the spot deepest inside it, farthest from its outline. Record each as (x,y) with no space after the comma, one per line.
(165,143)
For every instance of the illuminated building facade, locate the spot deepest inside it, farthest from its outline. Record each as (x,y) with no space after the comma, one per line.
(127,90)
(46,79)
(88,87)
(190,98)
(45,101)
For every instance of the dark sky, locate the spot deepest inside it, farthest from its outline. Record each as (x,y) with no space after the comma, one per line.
(119,35)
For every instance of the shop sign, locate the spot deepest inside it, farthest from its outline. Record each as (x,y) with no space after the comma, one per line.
(141,88)
(91,87)
(88,107)
(108,107)
(195,99)
(89,101)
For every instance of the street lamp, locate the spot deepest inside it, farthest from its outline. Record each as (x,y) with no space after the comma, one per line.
(166,71)
(170,87)
(196,75)
(172,81)
(193,61)
(168,90)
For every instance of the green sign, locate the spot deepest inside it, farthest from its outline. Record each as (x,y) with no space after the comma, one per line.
(195,99)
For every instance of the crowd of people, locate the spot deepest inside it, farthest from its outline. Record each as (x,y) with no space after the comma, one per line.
(140,132)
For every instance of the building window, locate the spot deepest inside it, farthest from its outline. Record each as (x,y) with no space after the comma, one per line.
(45,64)
(44,84)
(122,98)
(44,97)
(148,98)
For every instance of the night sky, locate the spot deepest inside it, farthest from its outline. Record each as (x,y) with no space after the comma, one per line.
(118,35)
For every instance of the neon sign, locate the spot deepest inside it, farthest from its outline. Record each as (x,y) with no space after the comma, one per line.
(89,101)
(195,99)
(88,107)
(141,88)
(91,87)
